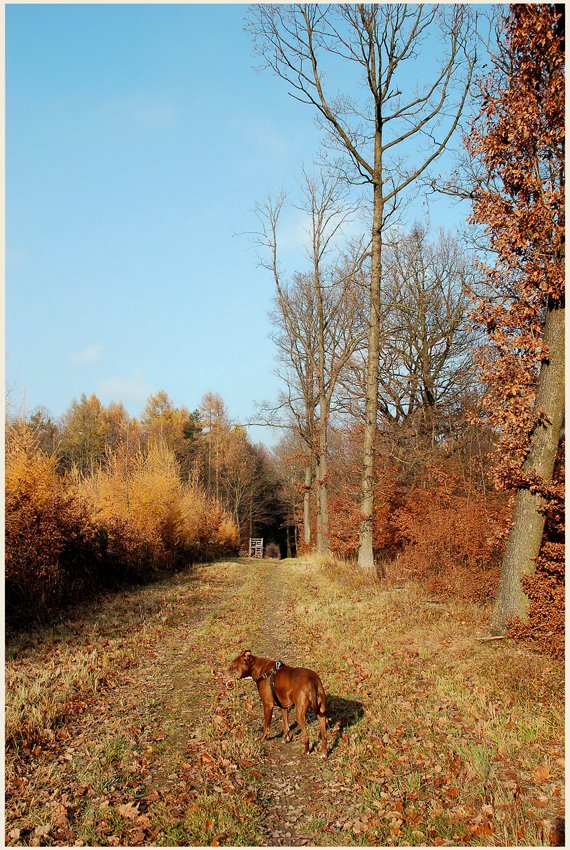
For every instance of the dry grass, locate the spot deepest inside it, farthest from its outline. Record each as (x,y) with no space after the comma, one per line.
(436,737)
(491,716)
(51,666)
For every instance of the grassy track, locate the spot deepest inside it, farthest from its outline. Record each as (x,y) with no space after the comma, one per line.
(119,732)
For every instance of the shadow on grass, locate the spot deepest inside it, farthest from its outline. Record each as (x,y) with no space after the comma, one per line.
(341,711)
(344,712)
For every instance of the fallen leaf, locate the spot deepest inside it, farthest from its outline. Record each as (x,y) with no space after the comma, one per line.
(59,817)
(128,811)
(42,831)
(541,774)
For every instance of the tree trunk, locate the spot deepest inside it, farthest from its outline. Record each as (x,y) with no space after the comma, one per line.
(365,550)
(323,506)
(307,506)
(319,505)
(322,483)
(525,537)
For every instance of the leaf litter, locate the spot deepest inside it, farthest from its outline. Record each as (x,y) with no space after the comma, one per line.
(160,752)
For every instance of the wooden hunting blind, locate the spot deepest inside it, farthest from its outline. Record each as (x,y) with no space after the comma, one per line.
(256,547)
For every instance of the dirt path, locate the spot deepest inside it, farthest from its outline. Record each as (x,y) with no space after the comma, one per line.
(293,784)
(291,788)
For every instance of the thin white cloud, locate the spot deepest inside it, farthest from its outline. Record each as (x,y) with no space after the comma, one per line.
(85,358)
(263,135)
(151,111)
(137,109)
(15,257)
(134,389)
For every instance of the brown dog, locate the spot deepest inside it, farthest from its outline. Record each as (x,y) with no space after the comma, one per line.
(284,686)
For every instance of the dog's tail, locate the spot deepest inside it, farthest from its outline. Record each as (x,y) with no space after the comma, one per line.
(318,698)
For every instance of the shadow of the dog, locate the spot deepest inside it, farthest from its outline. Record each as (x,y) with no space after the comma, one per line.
(341,714)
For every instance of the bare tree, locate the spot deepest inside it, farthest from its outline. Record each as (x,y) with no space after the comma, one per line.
(426,356)
(13,409)
(387,138)
(315,316)
(296,406)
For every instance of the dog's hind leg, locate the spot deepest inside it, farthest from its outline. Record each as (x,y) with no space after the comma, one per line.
(323,724)
(285,716)
(301,707)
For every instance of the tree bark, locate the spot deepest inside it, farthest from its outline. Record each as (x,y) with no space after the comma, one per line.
(525,537)
(366,547)
(323,496)
(307,506)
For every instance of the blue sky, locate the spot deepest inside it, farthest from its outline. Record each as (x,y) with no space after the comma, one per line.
(138,139)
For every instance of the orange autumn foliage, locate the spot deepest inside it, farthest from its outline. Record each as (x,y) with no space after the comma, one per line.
(436,520)
(71,536)
(452,536)
(519,141)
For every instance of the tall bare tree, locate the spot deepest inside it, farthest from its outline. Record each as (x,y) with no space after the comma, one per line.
(296,406)
(316,316)
(388,137)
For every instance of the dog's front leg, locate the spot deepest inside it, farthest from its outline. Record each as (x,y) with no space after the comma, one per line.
(267,712)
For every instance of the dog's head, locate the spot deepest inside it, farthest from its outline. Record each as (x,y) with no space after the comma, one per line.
(240,667)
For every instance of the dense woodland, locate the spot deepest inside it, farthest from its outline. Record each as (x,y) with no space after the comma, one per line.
(421,410)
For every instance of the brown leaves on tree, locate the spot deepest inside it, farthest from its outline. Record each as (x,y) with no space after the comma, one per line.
(519,140)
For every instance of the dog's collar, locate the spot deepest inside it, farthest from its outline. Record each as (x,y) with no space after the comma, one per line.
(278,664)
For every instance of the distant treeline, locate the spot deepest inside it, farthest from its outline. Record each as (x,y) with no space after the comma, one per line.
(100,499)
